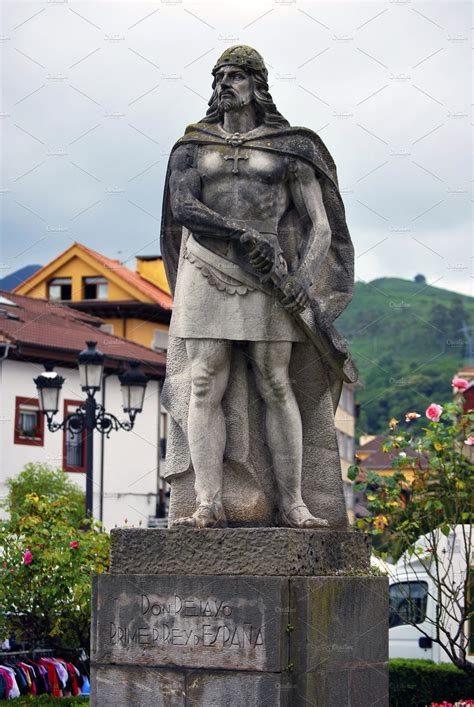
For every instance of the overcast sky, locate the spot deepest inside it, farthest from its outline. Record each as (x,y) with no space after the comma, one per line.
(96,93)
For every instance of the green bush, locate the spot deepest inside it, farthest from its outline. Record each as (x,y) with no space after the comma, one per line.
(418,683)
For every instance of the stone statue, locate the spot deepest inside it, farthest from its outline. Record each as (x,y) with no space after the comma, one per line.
(260,263)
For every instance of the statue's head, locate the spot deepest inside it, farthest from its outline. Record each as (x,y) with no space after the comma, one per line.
(240,78)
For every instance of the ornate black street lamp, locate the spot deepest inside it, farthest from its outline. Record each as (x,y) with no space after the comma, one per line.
(91,415)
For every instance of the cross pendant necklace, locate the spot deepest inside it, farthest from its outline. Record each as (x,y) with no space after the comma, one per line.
(236,141)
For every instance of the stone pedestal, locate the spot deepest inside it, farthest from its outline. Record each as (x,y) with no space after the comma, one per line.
(239,618)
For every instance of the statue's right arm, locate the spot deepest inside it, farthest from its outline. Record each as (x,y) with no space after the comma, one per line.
(187,208)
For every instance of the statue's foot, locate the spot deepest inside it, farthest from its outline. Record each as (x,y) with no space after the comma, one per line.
(204,517)
(299,516)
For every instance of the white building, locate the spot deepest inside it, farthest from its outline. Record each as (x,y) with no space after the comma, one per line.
(127,479)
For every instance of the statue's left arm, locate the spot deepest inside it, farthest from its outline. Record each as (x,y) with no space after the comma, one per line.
(307,198)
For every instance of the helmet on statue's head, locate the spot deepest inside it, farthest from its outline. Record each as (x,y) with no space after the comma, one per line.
(244,56)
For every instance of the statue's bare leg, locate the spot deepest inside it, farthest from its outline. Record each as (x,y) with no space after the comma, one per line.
(210,365)
(270,361)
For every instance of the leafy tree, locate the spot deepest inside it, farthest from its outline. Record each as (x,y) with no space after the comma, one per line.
(420,279)
(48,555)
(430,494)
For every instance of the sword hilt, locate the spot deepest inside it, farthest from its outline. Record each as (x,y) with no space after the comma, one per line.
(277,272)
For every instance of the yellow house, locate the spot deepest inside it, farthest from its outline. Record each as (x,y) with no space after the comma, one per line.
(133,305)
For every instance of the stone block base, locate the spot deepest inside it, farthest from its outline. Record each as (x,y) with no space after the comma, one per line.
(249,551)
(238,640)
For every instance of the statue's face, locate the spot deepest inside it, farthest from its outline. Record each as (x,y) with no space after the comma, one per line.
(234,88)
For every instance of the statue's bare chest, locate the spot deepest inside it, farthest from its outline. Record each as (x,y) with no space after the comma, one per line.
(236,163)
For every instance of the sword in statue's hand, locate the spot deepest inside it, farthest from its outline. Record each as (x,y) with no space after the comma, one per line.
(277,275)
(267,258)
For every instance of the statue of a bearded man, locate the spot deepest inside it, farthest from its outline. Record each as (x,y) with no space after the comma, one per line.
(260,263)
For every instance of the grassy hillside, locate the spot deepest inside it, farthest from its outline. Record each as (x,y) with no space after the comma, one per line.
(407,341)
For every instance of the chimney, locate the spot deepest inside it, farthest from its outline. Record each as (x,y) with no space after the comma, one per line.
(152,269)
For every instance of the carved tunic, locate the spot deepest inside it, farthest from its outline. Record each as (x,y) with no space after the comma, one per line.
(216,299)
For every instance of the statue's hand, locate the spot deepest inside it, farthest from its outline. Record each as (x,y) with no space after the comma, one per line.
(263,249)
(295,296)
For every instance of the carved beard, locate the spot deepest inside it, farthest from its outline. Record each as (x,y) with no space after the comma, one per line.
(230,102)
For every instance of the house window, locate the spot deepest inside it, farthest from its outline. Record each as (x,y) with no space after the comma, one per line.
(95,288)
(348,489)
(163,434)
(60,288)
(160,340)
(29,422)
(346,402)
(346,445)
(74,444)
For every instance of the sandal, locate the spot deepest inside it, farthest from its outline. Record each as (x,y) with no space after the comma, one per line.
(204,517)
(307,523)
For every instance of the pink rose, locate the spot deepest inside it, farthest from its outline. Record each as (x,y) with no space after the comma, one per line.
(433,412)
(469,440)
(459,384)
(27,557)
(74,544)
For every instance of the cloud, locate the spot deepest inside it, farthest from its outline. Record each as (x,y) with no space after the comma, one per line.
(96,94)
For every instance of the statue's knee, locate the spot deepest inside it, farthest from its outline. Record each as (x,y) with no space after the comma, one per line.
(275,389)
(201,385)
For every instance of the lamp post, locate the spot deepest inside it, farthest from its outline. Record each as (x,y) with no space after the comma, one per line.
(91,415)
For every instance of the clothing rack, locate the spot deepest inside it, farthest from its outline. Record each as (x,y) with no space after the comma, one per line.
(40,670)
(32,652)
(80,656)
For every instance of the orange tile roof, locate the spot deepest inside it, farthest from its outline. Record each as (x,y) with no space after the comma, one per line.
(32,322)
(383,460)
(378,459)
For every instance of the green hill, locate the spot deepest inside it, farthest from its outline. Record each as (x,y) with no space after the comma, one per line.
(407,341)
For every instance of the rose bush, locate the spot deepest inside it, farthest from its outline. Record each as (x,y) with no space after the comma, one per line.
(430,491)
(431,468)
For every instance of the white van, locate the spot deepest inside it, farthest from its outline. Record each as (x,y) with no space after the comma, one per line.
(414,598)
